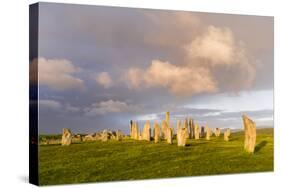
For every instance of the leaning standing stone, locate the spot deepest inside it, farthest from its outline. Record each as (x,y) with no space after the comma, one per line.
(157,133)
(170,135)
(250,134)
(66,137)
(226,134)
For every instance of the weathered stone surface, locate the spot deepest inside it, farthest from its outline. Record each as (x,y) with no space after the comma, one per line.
(157,133)
(170,135)
(140,135)
(135,131)
(197,132)
(191,129)
(168,118)
(105,135)
(131,127)
(66,137)
(119,135)
(186,127)
(208,133)
(146,134)
(217,132)
(164,130)
(76,139)
(181,137)
(202,132)
(226,134)
(178,127)
(250,134)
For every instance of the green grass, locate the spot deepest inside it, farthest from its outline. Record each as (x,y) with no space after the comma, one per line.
(130,160)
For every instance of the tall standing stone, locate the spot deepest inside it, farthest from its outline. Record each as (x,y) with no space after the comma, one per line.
(181,137)
(146,134)
(66,137)
(135,131)
(168,118)
(202,133)
(208,133)
(186,127)
(197,132)
(191,128)
(178,127)
(226,134)
(164,129)
(169,136)
(131,127)
(139,135)
(217,132)
(250,134)
(157,133)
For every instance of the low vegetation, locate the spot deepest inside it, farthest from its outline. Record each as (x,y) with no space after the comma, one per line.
(130,159)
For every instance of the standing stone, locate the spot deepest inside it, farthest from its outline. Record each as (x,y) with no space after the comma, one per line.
(226,134)
(168,118)
(105,135)
(169,136)
(66,137)
(186,127)
(164,129)
(250,134)
(181,137)
(191,128)
(139,135)
(157,133)
(119,135)
(197,131)
(178,127)
(135,131)
(208,133)
(217,132)
(146,132)
(202,133)
(131,127)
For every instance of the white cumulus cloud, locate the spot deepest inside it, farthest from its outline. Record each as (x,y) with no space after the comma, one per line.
(56,73)
(185,81)
(104,79)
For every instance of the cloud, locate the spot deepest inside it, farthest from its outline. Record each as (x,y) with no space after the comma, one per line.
(104,79)
(56,73)
(110,106)
(50,104)
(57,106)
(216,45)
(227,60)
(184,81)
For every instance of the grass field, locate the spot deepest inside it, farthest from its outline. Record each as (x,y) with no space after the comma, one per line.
(130,160)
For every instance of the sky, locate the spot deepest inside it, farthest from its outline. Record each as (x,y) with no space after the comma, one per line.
(100,67)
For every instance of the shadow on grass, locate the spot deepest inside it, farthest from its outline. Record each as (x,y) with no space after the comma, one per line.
(260,145)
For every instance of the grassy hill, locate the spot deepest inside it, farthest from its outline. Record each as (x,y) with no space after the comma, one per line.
(130,160)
